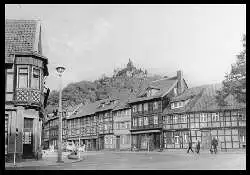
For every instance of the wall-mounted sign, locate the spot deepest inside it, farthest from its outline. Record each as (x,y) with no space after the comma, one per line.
(27,137)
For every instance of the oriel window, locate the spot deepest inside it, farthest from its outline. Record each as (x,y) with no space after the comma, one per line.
(35,83)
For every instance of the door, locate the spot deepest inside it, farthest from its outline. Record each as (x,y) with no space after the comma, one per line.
(205,139)
(28,138)
(118,142)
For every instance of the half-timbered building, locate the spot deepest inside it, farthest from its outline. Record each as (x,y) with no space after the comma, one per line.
(147,108)
(196,115)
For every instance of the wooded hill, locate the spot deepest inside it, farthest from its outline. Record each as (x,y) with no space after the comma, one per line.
(124,83)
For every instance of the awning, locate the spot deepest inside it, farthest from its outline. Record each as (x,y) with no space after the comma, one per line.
(147,131)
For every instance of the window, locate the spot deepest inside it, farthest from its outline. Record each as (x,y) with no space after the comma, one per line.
(9,86)
(23,77)
(215,117)
(168,119)
(185,118)
(175,119)
(134,121)
(140,107)
(35,83)
(134,108)
(155,120)
(145,106)
(203,117)
(6,133)
(140,121)
(155,105)
(145,120)
(128,125)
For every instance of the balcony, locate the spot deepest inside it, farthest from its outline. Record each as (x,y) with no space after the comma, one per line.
(28,96)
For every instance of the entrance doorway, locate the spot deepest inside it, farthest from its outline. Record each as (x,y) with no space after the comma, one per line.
(118,142)
(206,139)
(28,138)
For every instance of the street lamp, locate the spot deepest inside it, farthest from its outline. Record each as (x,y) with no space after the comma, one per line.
(60,70)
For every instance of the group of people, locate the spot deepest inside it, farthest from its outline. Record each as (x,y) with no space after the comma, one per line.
(213,148)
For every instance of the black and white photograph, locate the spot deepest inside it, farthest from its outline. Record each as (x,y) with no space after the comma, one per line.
(125,86)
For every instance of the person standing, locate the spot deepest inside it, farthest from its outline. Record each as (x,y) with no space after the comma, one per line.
(198,147)
(190,146)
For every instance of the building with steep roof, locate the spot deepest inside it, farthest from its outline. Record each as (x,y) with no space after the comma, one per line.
(196,115)
(25,70)
(147,108)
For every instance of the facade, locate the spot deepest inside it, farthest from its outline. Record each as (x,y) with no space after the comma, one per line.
(50,128)
(25,69)
(122,126)
(195,115)
(147,109)
(82,125)
(106,138)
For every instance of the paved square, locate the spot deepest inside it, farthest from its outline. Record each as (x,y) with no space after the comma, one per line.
(154,160)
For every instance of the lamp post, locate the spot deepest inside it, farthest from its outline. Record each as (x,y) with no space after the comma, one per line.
(60,70)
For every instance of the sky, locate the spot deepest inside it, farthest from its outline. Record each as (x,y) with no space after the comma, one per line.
(92,40)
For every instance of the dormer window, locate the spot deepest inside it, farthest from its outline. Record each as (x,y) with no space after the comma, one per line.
(177,104)
(151,92)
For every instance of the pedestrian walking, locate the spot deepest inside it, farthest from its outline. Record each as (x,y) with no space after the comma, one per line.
(198,147)
(214,144)
(190,146)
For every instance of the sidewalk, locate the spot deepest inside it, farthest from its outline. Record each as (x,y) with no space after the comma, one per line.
(48,160)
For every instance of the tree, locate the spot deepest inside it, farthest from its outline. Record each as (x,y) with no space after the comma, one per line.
(235,81)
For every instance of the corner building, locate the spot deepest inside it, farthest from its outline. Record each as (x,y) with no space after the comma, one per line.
(25,70)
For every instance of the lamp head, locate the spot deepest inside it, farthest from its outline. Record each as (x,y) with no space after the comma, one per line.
(60,69)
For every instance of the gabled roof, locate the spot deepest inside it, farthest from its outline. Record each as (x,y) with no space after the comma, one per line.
(164,85)
(85,110)
(109,104)
(203,98)
(22,37)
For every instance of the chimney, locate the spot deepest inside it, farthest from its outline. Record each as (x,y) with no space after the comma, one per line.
(180,85)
